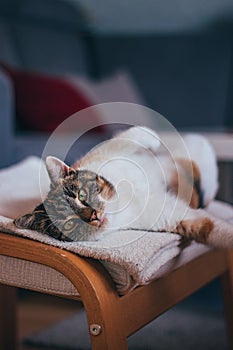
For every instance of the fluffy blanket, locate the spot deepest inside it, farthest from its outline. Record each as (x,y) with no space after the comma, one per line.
(132,257)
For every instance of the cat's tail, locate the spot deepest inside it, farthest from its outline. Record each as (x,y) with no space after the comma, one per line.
(202,153)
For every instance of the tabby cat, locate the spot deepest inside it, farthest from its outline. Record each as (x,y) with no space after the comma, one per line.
(124,183)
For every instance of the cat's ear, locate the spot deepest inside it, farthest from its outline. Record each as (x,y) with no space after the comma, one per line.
(107,190)
(57,169)
(25,221)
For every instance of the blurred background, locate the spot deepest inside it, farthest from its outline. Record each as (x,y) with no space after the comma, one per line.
(172,56)
(60,56)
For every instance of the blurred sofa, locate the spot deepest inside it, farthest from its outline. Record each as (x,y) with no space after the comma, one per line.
(49,37)
(186,77)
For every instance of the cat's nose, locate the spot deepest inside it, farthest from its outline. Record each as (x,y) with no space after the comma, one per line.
(93,216)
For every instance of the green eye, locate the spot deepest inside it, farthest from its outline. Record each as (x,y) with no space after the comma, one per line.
(69,225)
(82,196)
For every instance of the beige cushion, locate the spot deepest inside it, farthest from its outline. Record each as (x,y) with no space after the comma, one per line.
(34,276)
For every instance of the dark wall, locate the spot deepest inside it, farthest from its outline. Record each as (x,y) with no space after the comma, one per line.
(187,77)
(184,77)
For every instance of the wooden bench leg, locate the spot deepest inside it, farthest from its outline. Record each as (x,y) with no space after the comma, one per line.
(101,341)
(8,329)
(227,287)
(105,324)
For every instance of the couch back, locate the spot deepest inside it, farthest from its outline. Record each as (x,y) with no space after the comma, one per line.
(185,77)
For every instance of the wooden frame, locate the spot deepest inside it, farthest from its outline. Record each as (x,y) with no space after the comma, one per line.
(112,318)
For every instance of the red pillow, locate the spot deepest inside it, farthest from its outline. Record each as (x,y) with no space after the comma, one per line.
(43,102)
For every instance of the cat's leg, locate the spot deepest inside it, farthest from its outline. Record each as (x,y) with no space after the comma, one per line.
(202,154)
(140,137)
(184,181)
(124,144)
(204,228)
(194,178)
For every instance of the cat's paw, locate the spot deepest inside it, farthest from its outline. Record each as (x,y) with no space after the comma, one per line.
(143,136)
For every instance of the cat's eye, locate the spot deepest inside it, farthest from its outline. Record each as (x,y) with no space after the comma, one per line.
(82,196)
(69,225)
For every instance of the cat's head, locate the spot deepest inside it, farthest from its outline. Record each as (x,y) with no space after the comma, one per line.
(74,207)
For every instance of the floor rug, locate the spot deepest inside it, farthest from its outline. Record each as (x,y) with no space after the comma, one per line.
(182,327)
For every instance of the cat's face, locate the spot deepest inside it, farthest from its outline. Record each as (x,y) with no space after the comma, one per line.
(74,207)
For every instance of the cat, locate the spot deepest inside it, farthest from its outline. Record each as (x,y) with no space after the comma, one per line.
(125,183)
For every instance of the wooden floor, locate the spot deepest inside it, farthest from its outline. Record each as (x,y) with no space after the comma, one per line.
(37,311)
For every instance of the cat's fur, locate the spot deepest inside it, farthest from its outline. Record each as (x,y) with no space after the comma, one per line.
(123,183)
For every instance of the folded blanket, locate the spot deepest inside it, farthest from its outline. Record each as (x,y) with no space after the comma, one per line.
(131,257)
(20,187)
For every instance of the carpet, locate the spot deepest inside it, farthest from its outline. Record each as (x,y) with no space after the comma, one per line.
(182,327)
